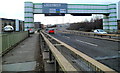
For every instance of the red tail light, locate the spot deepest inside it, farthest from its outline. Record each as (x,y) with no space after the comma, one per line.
(51,31)
(30,29)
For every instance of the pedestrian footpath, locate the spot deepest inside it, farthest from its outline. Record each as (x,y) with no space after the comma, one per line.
(24,57)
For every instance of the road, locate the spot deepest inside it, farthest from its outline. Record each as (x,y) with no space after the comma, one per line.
(106,52)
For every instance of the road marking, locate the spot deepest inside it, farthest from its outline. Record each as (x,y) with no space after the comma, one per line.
(87,43)
(107,57)
(118,51)
(66,37)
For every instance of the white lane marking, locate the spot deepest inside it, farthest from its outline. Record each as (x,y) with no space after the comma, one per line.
(66,37)
(87,43)
(107,57)
(118,51)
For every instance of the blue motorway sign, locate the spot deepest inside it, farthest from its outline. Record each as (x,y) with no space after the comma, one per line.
(54,7)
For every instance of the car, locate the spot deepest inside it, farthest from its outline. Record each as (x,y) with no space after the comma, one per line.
(99,31)
(31,31)
(8,28)
(50,30)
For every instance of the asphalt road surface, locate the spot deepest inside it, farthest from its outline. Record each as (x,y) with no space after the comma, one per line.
(106,52)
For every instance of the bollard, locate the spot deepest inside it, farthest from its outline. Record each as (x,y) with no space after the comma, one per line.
(28,33)
(110,36)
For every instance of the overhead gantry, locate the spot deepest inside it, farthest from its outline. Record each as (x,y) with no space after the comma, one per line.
(111,12)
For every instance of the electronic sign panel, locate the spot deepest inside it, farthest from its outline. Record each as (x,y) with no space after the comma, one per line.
(54,7)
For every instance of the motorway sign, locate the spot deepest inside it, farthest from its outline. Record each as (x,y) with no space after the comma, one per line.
(54,7)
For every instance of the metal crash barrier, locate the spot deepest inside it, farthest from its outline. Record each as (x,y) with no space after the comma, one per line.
(70,59)
(60,59)
(113,37)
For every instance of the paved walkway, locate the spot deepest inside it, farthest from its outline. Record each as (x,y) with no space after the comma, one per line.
(24,57)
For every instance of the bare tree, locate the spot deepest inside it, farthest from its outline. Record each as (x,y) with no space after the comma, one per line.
(95,23)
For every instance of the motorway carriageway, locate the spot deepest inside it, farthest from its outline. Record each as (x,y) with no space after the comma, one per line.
(106,52)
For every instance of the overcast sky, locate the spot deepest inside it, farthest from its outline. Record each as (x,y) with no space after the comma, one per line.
(14,9)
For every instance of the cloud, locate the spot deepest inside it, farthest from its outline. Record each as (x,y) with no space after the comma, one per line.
(11,8)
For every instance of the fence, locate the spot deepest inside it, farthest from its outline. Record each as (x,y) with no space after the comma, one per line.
(8,40)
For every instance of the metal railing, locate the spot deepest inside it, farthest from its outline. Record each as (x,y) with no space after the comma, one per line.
(65,65)
(67,55)
(113,37)
(8,40)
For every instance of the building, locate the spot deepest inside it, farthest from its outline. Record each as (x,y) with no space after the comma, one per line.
(37,25)
(18,25)
(62,26)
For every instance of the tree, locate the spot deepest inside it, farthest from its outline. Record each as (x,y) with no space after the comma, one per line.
(86,25)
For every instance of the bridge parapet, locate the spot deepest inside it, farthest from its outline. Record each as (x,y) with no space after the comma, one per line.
(9,40)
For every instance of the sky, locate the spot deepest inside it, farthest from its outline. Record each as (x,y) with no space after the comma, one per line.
(14,9)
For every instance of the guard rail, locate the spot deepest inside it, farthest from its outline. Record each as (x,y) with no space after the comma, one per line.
(71,59)
(113,37)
